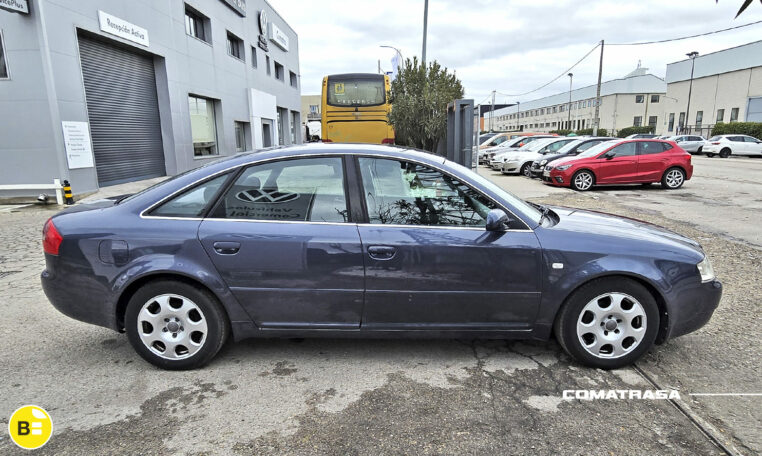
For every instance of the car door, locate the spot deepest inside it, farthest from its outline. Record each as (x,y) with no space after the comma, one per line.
(282,239)
(429,262)
(652,161)
(753,145)
(618,165)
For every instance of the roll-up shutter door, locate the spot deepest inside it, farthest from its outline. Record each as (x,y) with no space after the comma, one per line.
(122,106)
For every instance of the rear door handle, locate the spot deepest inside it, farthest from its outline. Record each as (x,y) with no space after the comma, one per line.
(381,252)
(227,248)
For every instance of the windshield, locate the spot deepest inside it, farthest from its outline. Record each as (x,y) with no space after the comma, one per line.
(516,203)
(512,142)
(597,149)
(715,138)
(356,90)
(536,145)
(484,138)
(568,147)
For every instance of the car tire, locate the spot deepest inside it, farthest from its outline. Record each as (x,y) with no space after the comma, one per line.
(699,150)
(709,155)
(582,180)
(524,170)
(175,325)
(725,153)
(608,323)
(673,178)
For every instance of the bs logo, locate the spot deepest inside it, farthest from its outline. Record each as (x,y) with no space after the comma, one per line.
(30,427)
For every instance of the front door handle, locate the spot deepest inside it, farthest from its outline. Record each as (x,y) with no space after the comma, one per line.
(227,248)
(381,252)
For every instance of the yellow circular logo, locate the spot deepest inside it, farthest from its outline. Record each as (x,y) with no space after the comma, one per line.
(30,427)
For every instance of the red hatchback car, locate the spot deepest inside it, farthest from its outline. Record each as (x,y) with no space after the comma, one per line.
(623,162)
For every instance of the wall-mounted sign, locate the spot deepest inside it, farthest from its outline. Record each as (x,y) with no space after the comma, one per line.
(79,151)
(239,6)
(278,37)
(123,29)
(263,30)
(19,6)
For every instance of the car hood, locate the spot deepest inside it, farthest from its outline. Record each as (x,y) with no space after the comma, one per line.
(612,226)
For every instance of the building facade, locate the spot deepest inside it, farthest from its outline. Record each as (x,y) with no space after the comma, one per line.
(726,87)
(104,92)
(311,108)
(634,100)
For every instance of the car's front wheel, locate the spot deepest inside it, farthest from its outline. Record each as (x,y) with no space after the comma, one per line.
(608,323)
(582,180)
(175,325)
(525,170)
(673,178)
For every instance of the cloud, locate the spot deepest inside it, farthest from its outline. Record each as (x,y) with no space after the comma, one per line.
(511,47)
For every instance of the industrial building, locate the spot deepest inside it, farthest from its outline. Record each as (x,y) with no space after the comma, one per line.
(101,93)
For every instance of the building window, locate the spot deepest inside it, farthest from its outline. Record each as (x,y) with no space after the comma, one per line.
(639,98)
(279,75)
(720,115)
(4,74)
(267,63)
(196,24)
(292,77)
(699,118)
(654,98)
(240,135)
(235,46)
(253,57)
(734,115)
(671,124)
(652,121)
(294,129)
(637,121)
(203,125)
(681,121)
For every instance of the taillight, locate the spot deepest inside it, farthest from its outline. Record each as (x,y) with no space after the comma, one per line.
(716,143)
(51,238)
(327,140)
(387,141)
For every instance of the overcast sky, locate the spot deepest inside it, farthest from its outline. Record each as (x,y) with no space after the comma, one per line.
(510,46)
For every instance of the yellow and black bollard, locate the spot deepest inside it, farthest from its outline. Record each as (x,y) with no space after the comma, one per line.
(67,192)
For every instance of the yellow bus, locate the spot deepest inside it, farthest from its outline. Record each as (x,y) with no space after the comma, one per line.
(355,109)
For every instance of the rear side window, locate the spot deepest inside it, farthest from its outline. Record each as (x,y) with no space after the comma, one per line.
(191,203)
(666,146)
(652,147)
(302,190)
(736,138)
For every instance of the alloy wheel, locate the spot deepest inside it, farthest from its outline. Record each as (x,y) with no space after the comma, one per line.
(611,325)
(526,171)
(583,180)
(172,326)
(674,178)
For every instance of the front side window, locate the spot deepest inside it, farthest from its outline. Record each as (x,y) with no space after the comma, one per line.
(193,202)
(3,65)
(302,190)
(627,149)
(405,193)
(203,125)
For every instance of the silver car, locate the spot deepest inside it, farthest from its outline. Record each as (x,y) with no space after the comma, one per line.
(691,143)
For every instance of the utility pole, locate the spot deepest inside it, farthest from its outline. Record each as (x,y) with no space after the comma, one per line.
(425,24)
(568,122)
(692,56)
(492,111)
(518,115)
(379,66)
(596,121)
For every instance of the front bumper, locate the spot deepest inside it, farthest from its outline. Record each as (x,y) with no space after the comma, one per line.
(693,309)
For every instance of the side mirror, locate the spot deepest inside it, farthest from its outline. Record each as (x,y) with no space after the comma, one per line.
(497,220)
(608,155)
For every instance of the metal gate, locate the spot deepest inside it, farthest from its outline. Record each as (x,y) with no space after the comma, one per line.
(123,109)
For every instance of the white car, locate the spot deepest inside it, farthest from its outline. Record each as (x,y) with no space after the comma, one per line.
(521,160)
(725,145)
(690,143)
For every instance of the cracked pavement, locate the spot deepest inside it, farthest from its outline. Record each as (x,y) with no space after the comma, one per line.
(328,396)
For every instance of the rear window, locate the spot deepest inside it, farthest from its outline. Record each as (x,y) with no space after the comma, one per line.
(715,138)
(356,91)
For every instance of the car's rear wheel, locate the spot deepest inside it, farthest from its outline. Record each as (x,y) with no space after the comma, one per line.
(725,153)
(175,325)
(525,170)
(709,155)
(608,323)
(582,180)
(673,178)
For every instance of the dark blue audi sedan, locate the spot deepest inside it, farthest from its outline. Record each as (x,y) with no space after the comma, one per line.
(367,241)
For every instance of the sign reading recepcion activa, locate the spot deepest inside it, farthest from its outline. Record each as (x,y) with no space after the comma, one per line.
(123,29)
(278,37)
(79,150)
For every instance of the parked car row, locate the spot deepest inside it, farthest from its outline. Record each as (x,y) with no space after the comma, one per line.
(584,162)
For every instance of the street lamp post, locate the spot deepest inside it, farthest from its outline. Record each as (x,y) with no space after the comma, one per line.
(571,77)
(425,27)
(518,115)
(692,56)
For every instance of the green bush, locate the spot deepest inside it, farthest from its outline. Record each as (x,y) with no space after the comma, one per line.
(742,128)
(625,132)
(583,132)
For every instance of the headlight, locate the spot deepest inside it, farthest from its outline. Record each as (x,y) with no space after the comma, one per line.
(563,167)
(543,163)
(706,270)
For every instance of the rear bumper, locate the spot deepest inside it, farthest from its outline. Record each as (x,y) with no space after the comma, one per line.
(694,309)
(81,301)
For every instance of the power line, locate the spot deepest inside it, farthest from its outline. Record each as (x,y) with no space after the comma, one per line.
(564,73)
(683,37)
